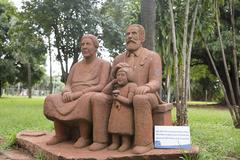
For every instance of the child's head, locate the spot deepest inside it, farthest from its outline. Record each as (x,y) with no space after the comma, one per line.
(124,75)
(121,77)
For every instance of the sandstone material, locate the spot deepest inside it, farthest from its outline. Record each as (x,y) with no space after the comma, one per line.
(162,114)
(71,110)
(147,73)
(82,110)
(66,151)
(32,133)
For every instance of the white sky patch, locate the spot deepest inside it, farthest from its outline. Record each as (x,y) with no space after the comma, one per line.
(18,3)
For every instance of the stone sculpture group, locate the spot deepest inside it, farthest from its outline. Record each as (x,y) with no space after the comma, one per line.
(109,106)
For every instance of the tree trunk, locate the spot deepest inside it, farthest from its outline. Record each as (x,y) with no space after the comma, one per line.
(184,57)
(76,52)
(178,106)
(232,95)
(66,65)
(1,89)
(148,20)
(186,90)
(168,87)
(59,55)
(29,75)
(183,119)
(187,83)
(235,63)
(189,89)
(64,73)
(230,107)
(50,61)
(233,100)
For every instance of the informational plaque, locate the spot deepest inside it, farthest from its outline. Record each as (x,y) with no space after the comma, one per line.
(172,137)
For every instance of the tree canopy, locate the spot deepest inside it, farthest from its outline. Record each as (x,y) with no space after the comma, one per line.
(19,45)
(67,21)
(7,61)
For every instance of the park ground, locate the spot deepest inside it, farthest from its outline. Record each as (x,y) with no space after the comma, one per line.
(211,126)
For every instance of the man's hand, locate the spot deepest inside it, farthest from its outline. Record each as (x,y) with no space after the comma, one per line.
(142,90)
(120,65)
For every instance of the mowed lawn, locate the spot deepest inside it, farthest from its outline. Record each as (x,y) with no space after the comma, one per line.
(211,129)
(21,113)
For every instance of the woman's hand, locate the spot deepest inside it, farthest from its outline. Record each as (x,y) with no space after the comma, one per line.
(67,97)
(70,96)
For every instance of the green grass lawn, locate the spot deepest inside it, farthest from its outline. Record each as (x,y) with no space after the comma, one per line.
(211,129)
(21,113)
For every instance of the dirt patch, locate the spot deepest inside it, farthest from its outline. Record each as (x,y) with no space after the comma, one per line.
(16,155)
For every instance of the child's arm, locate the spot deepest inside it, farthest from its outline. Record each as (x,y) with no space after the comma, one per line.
(127,100)
(122,99)
(109,87)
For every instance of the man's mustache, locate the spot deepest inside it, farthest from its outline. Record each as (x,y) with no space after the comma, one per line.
(131,41)
(85,50)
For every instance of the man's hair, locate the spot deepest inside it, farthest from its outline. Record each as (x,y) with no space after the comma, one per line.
(92,37)
(141,30)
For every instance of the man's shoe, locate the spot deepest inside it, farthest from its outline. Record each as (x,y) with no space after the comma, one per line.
(142,149)
(81,142)
(97,146)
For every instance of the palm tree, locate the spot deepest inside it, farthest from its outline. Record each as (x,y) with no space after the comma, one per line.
(175,51)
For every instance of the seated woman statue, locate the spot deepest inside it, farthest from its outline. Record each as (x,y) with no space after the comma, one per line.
(71,110)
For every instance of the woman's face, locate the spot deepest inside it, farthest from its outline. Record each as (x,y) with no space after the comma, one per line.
(88,48)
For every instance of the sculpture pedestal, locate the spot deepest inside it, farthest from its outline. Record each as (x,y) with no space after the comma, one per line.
(35,144)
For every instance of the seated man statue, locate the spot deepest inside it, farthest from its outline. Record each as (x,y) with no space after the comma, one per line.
(71,110)
(147,71)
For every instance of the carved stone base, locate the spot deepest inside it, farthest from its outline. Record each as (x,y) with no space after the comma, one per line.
(35,144)
(162,114)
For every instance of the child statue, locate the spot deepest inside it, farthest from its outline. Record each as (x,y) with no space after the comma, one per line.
(121,124)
